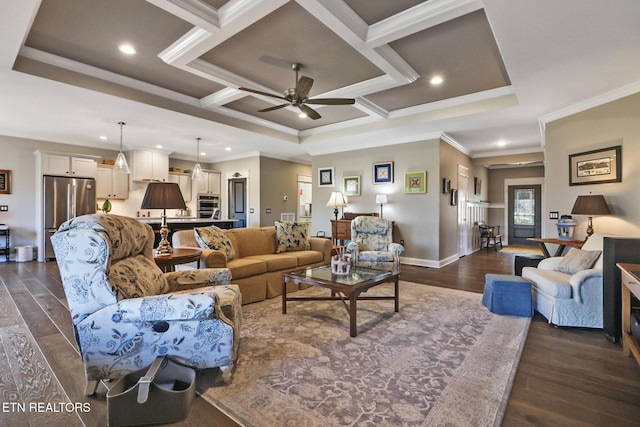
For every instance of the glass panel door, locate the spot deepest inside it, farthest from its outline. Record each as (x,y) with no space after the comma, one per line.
(524,213)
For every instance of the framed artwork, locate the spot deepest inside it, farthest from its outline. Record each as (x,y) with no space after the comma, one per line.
(596,167)
(326,177)
(351,186)
(5,181)
(383,173)
(454,197)
(477,185)
(415,182)
(446,186)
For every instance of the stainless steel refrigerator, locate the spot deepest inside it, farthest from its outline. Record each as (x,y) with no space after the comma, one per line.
(65,198)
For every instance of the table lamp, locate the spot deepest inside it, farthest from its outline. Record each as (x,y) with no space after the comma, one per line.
(163,195)
(337,200)
(381,199)
(590,205)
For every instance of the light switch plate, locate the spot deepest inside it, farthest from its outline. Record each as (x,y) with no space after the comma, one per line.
(554,215)
(4,208)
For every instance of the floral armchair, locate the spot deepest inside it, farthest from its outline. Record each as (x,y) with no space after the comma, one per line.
(372,243)
(125,311)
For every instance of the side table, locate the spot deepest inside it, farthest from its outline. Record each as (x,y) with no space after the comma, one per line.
(179,256)
(5,249)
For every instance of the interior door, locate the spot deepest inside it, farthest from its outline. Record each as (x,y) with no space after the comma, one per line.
(464,229)
(238,198)
(524,213)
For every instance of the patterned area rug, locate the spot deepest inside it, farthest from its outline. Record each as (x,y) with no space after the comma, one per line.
(526,250)
(444,359)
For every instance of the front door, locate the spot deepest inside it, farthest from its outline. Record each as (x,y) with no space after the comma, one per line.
(238,198)
(524,213)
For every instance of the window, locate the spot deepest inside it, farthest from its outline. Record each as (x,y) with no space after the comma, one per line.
(524,206)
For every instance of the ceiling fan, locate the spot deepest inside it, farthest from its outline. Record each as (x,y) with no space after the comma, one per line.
(298,96)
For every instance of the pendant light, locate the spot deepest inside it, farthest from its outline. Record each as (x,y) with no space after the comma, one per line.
(197,169)
(121,161)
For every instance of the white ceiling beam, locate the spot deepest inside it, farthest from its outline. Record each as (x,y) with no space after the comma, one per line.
(196,12)
(418,18)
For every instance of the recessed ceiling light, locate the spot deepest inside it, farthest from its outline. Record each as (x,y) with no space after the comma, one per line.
(302,115)
(102,137)
(203,153)
(436,80)
(127,49)
(158,146)
(228,149)
(501,143)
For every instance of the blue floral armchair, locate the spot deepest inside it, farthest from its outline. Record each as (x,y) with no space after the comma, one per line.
(372,243)
(125,311)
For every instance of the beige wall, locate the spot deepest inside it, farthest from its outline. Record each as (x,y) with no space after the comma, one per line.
(279,178)
(250,168)
(614,123)
(416,216)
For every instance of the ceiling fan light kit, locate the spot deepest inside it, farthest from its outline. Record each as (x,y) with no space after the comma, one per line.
(299,97)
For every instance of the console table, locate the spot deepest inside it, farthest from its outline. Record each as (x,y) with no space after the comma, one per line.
(630,285)
(542,242)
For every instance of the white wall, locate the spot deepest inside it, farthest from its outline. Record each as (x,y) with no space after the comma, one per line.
(614,123)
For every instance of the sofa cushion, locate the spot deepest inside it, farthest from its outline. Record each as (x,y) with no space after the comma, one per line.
(253,241)
(276,262)
(305,258)
(245,267)
(292,236)
(215,238)
(550,282)
(577,260)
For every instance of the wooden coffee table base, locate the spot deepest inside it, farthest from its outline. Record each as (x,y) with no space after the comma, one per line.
(350,292)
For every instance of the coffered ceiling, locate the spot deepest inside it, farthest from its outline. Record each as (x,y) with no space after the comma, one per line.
(193,55)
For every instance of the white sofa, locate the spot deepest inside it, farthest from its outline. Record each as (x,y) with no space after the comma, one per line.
(569,300)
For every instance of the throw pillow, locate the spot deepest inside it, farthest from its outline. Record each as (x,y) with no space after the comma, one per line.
(577,260)
(292,236)
(212,237)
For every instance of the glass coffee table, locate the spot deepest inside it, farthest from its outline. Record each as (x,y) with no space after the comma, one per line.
(350,286)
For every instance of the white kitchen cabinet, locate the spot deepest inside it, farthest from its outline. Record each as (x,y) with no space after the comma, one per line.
(61,165)
(184,182)
(111,184)
(209,183)
(149,166)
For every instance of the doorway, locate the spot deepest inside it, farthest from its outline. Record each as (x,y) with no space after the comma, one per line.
(464,228)
(238,201)
(524,213)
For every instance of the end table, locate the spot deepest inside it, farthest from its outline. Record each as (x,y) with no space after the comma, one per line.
(179,256)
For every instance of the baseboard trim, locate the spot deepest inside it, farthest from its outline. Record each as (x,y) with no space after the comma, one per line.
(420,262)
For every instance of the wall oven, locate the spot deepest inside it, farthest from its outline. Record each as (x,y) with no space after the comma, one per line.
(208,206)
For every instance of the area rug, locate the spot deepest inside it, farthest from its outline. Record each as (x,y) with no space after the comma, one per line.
(525,250)
(444,359)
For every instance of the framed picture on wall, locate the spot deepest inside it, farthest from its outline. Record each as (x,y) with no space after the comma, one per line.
(454,197)
(351,186)
(383,173)
(325,177)
(5,181)
(477,185)
(596,167)
(415,182)
(446,186)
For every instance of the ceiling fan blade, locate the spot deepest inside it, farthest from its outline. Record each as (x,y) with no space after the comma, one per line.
(259,92)
(276,107)
(310,112)
(303,87)
(331,101)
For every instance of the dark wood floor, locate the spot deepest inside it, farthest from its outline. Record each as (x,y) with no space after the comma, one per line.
(567,376)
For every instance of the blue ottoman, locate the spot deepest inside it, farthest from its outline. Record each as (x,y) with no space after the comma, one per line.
(506,294)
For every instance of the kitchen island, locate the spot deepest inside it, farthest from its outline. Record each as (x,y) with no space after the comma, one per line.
(185,223)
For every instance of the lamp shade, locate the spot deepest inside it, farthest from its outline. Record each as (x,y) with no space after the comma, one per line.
(590,205)
(337,200)
(381,199)
(163,195)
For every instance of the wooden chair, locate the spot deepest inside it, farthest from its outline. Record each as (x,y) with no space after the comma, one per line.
(490,234)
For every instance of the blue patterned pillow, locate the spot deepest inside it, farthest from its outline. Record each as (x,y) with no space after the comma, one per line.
(215,238)
(292,236)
